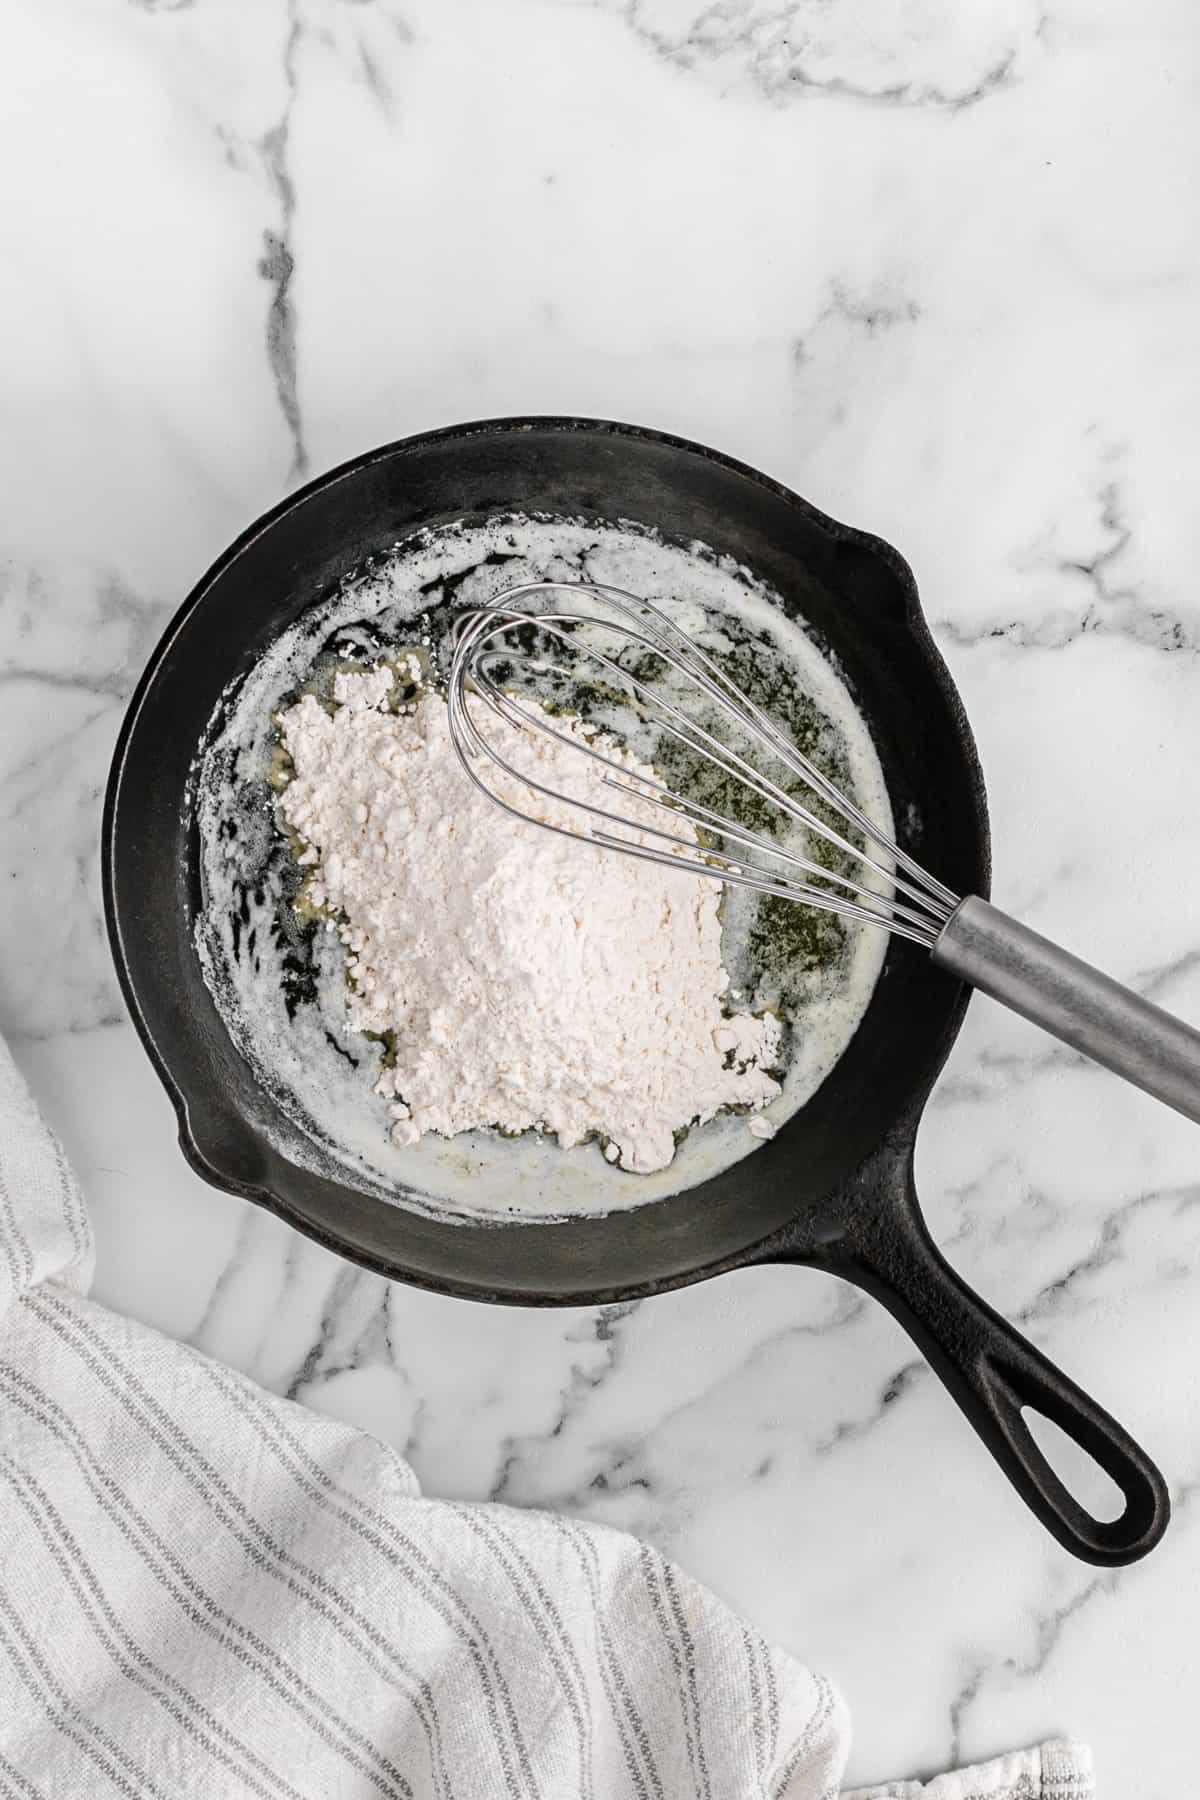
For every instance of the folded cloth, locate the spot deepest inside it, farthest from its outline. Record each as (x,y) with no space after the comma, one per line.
(207,1591)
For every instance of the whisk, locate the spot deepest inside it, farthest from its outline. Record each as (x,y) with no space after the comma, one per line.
(692,702)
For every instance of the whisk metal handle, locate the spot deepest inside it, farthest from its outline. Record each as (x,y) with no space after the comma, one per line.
(1074,1002)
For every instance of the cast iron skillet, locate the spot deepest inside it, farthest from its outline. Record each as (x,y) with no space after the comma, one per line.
(835,1188)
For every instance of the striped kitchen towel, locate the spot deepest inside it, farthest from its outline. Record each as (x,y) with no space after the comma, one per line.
(207,1591)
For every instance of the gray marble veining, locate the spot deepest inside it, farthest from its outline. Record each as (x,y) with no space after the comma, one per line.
(936,267)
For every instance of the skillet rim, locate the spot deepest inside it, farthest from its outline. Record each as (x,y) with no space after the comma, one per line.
(905,1120)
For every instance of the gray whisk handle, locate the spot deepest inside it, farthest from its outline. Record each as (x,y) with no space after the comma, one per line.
(1073,1001)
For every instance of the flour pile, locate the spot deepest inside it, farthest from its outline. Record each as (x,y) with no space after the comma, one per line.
(527,981)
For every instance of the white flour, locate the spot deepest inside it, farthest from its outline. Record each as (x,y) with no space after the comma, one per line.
(530,982)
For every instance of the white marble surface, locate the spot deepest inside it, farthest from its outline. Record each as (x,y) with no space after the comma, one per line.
(937,267)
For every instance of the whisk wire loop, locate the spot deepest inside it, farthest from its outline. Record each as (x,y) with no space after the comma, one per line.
(481,657)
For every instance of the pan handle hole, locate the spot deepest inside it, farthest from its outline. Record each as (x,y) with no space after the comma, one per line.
(1076,1468)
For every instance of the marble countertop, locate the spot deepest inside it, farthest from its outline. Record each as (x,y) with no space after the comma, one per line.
(939,273)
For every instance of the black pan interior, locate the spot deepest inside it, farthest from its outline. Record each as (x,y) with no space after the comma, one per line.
(857,597)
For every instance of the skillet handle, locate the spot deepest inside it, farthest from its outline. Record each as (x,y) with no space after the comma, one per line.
(883,1245)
